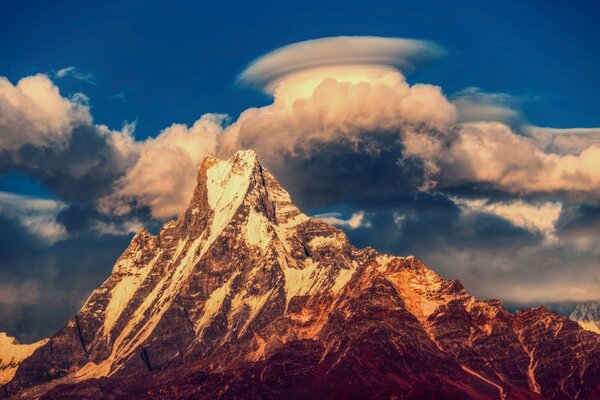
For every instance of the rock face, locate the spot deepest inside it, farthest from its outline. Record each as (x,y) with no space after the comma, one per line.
(12,354)
(587,315)
(243,296)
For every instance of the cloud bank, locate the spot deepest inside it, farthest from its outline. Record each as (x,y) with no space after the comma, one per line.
(54,139)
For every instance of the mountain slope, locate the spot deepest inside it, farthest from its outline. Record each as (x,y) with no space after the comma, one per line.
(12,354)
(245,296)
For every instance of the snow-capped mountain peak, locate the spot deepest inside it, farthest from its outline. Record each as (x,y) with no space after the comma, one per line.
(245,289)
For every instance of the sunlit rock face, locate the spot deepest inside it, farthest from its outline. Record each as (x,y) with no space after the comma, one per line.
(243,296)
(12,354)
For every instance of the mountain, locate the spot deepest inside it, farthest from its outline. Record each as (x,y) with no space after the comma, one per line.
(12,354)
(243,296)
(587,315)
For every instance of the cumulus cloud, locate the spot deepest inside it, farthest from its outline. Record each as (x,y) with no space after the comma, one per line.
(53,139)
(345,131)
(163,177)
(351,91)
(321,95)
(356,220)
(564,141)
(492,154)
(33,112)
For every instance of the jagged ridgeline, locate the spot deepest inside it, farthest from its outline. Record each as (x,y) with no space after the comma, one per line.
(243,296)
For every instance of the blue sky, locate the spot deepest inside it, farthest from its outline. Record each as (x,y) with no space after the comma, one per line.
(68,210)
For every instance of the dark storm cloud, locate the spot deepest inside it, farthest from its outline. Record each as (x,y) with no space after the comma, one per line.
(580,220)
(373,177)
(83,169)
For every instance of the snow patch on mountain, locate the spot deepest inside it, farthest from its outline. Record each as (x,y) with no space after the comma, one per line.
(123,292)
(587,315)
(257,230)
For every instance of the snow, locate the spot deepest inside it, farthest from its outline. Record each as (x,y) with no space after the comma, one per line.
(257,230)
(344,276)
(124,291)
(420,288)
(300,282)
(533,385)
(12,354)
(590,326)
(255,304)
(587,315)
(325,241)
(312,279)
(227,184)
(214,303)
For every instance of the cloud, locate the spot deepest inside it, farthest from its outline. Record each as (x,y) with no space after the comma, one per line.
(356,220)
(540,218)
(33,112)
(492,154)
(353,109)
(365,52)
(54,140)
(354,96)
(75,74)
(473,104)
(564,141)
(42,286)
(345,131)
(163,177)
(490,255)
(35,214)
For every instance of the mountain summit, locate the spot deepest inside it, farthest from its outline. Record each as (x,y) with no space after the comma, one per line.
(243,296)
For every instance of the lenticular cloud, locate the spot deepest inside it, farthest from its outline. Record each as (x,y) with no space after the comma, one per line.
(386,53)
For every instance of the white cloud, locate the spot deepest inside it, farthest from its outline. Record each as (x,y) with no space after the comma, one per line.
(163,177)
(158,173)
(345,90)
(342,108)
(491,153)
(539,218)
(75,74)
(33,112)
(564,141)
(356,220)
